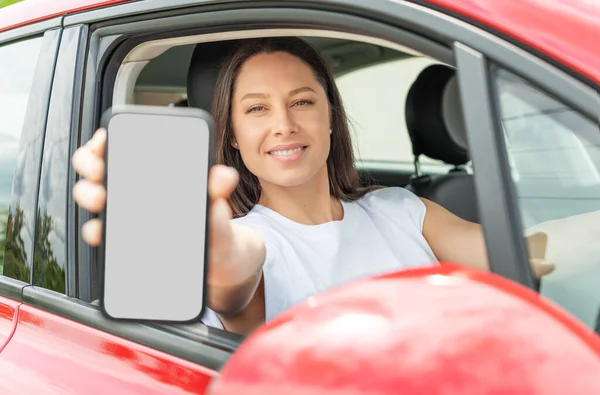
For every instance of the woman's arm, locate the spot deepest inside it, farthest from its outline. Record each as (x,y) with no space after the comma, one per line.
(456,240)
(236,254)
(453,239)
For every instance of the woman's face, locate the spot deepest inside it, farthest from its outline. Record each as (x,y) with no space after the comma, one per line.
(281,119)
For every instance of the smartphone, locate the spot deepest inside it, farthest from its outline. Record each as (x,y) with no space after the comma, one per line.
(156,213)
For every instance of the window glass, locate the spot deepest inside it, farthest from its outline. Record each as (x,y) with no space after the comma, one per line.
(374,98)
(18,62)
(554,154)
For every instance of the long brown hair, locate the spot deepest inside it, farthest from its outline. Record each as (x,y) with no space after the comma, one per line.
(343,176)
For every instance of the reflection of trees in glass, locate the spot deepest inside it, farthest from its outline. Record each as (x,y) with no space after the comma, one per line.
(47,272)
(3,223)
(15,257)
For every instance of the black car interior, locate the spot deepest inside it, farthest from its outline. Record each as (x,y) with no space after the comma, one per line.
(433,117)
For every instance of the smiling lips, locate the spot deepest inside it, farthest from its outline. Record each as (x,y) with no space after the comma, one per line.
(287,153)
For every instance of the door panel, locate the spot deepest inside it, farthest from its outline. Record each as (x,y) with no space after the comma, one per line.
(49,354)
(8,319)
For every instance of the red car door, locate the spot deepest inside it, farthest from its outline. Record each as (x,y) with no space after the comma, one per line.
(9,312)
(50,354)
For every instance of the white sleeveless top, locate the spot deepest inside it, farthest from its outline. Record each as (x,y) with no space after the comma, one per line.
(380,233)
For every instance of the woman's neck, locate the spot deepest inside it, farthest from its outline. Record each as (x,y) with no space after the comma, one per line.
(309,204)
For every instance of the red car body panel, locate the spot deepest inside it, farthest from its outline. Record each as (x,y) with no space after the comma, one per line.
(441,330)
(27,12)
(9,310)
(572,42)
(53,355)
(567,31)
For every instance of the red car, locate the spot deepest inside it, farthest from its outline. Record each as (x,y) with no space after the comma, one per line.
(488,107)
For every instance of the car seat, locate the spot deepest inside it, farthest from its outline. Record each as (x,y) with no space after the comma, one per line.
(436,129)
(205,64)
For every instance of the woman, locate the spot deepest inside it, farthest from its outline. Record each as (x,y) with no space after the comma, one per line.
(288,219)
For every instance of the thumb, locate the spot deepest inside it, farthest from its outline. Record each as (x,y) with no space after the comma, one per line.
(220,215)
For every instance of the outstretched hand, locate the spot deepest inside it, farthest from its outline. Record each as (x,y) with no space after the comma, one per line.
(89,192)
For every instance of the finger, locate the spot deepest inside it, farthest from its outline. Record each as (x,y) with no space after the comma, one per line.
(88,165)
(91,232)
(90,196)
(222,181)
(97,143)
(542,267)
(545,269)
(220,215)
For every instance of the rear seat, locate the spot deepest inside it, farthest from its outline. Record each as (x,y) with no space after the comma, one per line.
(435,125)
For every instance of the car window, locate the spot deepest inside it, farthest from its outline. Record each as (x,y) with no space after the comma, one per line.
(554,154)
(374,98)
(18,62)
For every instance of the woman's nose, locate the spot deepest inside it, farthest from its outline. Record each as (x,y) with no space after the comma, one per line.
(284,123)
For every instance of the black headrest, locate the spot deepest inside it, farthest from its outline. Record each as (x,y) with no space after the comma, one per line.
(204,68)
(434,116)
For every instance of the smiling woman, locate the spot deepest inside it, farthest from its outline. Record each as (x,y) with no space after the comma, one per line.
(262,117)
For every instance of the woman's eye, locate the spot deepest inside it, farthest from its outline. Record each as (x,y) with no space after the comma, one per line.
(255,109)
(303,103)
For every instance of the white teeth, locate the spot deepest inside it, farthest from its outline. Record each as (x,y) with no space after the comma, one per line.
(287,152)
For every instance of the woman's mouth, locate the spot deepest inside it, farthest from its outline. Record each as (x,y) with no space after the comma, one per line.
(288,155)
(288,152)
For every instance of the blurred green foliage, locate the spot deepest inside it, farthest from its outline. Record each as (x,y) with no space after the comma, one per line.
(13,259)
(6,3)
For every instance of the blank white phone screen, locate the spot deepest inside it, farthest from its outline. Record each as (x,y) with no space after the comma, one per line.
(155,244)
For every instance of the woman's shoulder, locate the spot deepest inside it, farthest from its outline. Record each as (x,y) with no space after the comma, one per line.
(391,195)
(395,202)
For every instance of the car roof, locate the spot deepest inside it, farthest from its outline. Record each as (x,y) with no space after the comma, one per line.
(31,11)
(565,31)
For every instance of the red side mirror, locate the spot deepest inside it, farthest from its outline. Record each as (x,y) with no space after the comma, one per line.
(443,330)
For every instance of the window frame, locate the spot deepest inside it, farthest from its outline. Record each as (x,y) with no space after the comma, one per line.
(33,130)
(108,39)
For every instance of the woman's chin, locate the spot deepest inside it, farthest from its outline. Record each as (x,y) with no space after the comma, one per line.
(291,180)
(295,177)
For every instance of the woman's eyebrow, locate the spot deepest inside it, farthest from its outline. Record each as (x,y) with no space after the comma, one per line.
(254,96)
(303,89)
(264,96)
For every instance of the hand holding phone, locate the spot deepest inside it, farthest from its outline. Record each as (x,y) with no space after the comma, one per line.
(153,232)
